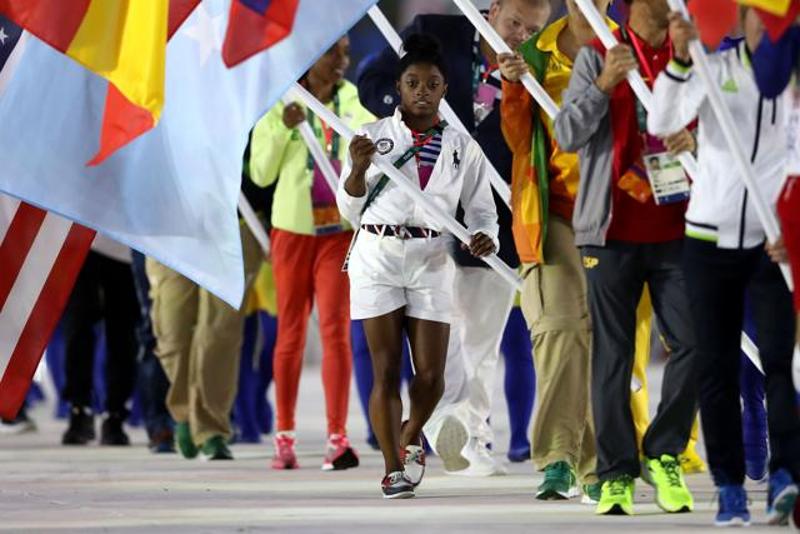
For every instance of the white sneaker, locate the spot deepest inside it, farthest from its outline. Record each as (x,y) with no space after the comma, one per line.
(450,442)
(481,461)
(414,463)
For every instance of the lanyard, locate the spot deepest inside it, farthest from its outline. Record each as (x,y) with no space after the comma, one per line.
(331,137)
(403,159)
(630,37)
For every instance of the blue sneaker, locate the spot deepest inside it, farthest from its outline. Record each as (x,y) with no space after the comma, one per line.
(519,454)
(732,507)
(781,497)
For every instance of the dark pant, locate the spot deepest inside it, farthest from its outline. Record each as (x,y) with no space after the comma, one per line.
(717,280)
(616,275)
(104,291)
(153,384)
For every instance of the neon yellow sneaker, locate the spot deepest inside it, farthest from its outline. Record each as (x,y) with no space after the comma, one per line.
(616,497)
(666,477)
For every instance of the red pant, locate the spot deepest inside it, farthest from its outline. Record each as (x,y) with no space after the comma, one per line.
(789,212)
(305,266)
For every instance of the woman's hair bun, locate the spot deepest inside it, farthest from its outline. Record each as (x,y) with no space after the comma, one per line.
(421,45)
(422,48)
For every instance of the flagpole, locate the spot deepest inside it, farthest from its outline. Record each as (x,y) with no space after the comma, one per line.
(768,219)
(499,45)
(253,222)
(635,80)
(396,42)
(311,141)
(406,186)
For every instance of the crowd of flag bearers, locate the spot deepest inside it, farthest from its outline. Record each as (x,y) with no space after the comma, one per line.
(607,231)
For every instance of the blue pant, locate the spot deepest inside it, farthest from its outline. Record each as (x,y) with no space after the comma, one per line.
(252,411)
(520,380)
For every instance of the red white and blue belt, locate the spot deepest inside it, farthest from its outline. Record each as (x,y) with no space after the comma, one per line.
(401,232)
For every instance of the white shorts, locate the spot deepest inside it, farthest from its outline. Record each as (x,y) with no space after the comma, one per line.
(388,273)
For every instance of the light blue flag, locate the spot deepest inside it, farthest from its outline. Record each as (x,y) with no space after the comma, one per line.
(171,193)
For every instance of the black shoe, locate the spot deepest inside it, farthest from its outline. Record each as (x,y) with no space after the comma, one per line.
(112,432)
(81,427)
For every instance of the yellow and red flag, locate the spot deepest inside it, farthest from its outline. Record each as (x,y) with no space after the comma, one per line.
(717,18)
(124,41)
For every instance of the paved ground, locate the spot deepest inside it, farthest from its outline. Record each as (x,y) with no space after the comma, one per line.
(45,487)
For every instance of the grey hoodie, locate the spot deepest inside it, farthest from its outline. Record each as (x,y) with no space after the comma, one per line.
(583,125)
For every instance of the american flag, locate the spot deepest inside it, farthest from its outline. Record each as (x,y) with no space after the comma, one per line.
(41,254)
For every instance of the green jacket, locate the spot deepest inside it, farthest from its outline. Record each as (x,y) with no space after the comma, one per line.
(279,152)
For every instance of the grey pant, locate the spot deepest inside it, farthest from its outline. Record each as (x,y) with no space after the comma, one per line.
(615,276)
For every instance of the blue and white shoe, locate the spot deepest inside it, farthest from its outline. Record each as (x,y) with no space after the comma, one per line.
(781,496)
(732,507)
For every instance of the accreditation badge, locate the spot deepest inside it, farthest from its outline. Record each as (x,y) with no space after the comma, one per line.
(668,180)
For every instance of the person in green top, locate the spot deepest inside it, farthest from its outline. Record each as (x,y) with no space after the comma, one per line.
(309,245)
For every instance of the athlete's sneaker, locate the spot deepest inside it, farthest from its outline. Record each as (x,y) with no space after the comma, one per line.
(691,463)
(215,448)
(666,477)
(616,497)
(339,454)
(81,427)
(396,485)
(481,461)
(19,425)
(413,457)
(592,493)
(450,443)
(285,457)
(732,507)
(559,483)
(519,455)
(781,497)
(183,436)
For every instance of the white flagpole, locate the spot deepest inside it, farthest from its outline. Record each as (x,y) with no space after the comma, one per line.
(311,141)
(391,35)
(767,217)
(252,221)
(635,80)
(406,186)
(500,46)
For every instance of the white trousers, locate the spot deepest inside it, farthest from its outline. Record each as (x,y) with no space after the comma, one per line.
(482,302)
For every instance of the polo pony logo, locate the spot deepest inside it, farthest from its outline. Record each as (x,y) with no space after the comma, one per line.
(456,161)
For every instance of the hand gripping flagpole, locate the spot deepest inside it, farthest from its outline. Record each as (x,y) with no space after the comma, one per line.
(635,80)
(405,185)
(395,41)
(252,221)
(644,95)
(311,141)
(499,45)
(767,217)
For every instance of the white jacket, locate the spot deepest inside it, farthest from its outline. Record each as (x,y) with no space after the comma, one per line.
(459,175)
(719,208)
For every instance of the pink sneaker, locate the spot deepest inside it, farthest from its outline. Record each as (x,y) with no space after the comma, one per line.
(339,454)
(285,457)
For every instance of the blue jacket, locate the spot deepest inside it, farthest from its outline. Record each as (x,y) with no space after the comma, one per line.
(378,93)
(774,63)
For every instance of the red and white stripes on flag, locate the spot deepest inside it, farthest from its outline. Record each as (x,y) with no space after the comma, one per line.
(41,255)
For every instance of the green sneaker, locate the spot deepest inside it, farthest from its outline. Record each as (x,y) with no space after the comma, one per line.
(616,497)
(559,483)
(666,476)
(215,448)
(183,436)
(592,493)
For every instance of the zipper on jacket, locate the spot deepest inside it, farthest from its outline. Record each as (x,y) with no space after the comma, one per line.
(756,142)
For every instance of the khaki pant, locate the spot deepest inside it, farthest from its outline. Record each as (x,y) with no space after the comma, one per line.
(199,341)
(555,308)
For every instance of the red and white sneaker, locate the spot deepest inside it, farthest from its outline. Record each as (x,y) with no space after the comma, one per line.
(285,457)
(339,454)
(413,457)
(396,485)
